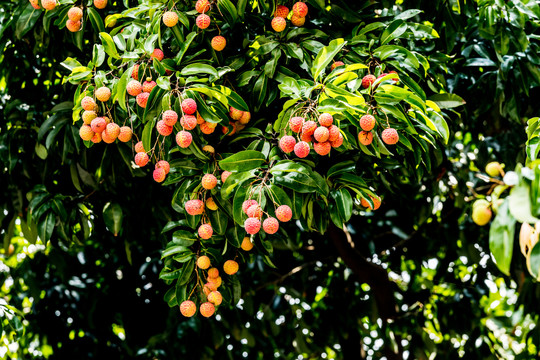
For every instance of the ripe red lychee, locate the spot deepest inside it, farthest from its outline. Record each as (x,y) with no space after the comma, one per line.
(218,43)
(333,133)
(100,4)
(230,267)
(88,116)
(189,106)
(321,134)
(215,298)
(338,142)
(203,262)
(184,138)
(35,4)
(278,24)
(309,127)
(252,225)
(281,11)
(163,164)
(209,287)
(286,143)
(202,21)
(73,26)
(246,205)
(209,181)
(390,136)
(134,88)
(200,119)
(96,138)
(295,123)
(336,64)
(141,159)
(188,122)
(365,137)
(213,273)
(86,133)
(148,85)
(135,72)
(205,231)
(298,20)
(139,147)
(301,149)
(284,213)
(322,148)
(300,9)
(75,13)
(88,103)
(159,175)
(157,54)
(170,18)
(113,130)
(225,175)
(164,129)
(325,119)
(170,117)
(270,225)
(207,309)
(125,134)
(367,122)
(98,124)
(206,128)
(48,4)
(368,80)
(194,207)
(306,138)
(235,114)
(254,211)
(246,116)
(142,99)
(246,245)
(106,137)
(202,6)
(188,308)
(376,203)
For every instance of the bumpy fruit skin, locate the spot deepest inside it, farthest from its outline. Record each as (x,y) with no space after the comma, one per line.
(188,308)
(48,4)
(325,119)
(298,20)
(209,181)
(170,117)
(100,4)
(96,138)
(390,136)
(493,169)
(170,18)
(216,281)
(270,225)
(75,13)
(295,123)
(35,4)
(225,175)
(141,159)
(246,117)
(230,267)
(481,213)
(205,231)
(247,204)
(209,148)
(135,72)
(88,116)
(284,213)
(203,262)
(215,298)
(188,122)
(164,129)
(206,128)
(86,133)
(125,134)
(134,88)
(309,127)
(139,147)
(194,207)
(142,99)
(73,26)
(333,133)
(207,309)
(278,24)
(202,6)
(254,211)
(213,273)
(157,54)
(300,9)
(286,144)
(209,287)
(106,137)
(218,43)
(200,119)
(98,125)
(336,64)
(246,245)
(321,134)
(367,122)
(368,80)
(322,148)
(88,103)
(159,175)
(163,164)
(202,21)
(338,142)
(148,85)
(301,149)
(235,114)
(376,203)
(189,106)
(113,130)
(281,11)
(252,225)
(184,138)
(211,204)
(365,137)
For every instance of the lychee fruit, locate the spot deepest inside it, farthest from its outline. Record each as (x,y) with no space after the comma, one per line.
(368,80)
(113,130)
(270,225)
(284,213)
(202,6)
(481,213)
(247,204)
(194,207)
(298,20)
(73,26)
(98,124)
(96,138)
(246,245)
(226,131)
(235,114)
(209,181)
(296,123)
(206,128)
(336,64)
(139,147)
(338,142)
(125,134)
(135,72)
(209,287)
(86,133)
(106,137)
(188,122)
(252,225)
(148,85)
(390,136)
(88,116)
(376,202)
(159,174)
(254,211)
(141,159)
(301,149)
(300,9)
(88,103)
(170,117)
(163,164)
(493,169)
(188,308)
(213,273)
(184,138)
(246,116)
(35,4)
(75,13)
(321,134)
(230,267)
(333,133)
(322,148)
(207,309)
(367,122)
(218,43)
(202,21)
(365,137)
(203,262)
(200,119)
(170,18)
(209,148)
(287,143)
(48,4)
(164,129)
(134,88)
(189,106)
(215,298)
(157,54)
(309,127)
(205,231)
(281,11)
(211,204)
(100,4)
(142,99)
(225,175)
(325,119)
(278,24)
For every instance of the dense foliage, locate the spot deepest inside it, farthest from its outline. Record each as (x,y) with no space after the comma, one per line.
(97,250)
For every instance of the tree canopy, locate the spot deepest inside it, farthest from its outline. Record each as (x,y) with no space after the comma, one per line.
(255,179)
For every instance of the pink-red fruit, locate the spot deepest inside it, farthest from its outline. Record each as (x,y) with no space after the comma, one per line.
(125,134)
(170,18)
(73,26)
(184,138)
(205,231)
(321,134)
(98,124)
(225,175)
(189,106)
(322,148)
(390,136)
(270,225)
(215,298)
(170,117)
(100,4)
(278,24)
(157,54)
(188,308)
(159,175)
(141,159)
(326,119)
(202,21)
(134,88)
(281,11)
(194,207)
(207,309)
(209,181)
(301,149)
(367,122)
(218,43)
(368,80)
(284,213)
(365,137)
(252,225)
(247,204)
(163,164)
(202,6)
(48,4)
(142,99)
(287,143)
(300,9)
(75,13)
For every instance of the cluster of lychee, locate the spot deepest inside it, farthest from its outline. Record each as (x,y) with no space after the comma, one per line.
(97,128)
(161,169)
(389,135)
(202,21)
(75,14)
(239,121)
(298,18)
(270,225)
(214,298)
(325,134)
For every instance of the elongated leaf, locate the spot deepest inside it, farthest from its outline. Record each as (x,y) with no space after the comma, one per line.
(393,31)
(199,68)
(501,237)
(113,215)
(27,20)
(325,56)
(243,161)
(108,45)
(447,101)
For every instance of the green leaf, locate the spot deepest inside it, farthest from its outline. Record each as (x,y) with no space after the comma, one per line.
(96,20)
(294,176)
(199,68)
(219,220)
(447,100)
(147,135)
(183,238)
(46,227)
(501,237)
(243,161)
(393,31)
(344,203)
(113,215)
(325,56)
(228,11)
(108,45)
(520,204)
(187,272)
(172,249)
(26,21)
